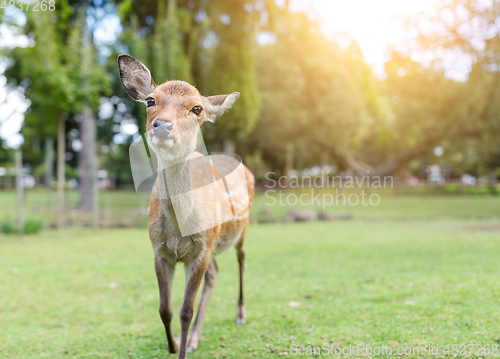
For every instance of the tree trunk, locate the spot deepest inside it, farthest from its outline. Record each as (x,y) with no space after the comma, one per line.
(19,190)
(229,146)
(171,9)
(288,163)
(61,161)
(324,163)
(36,167)
(391,165)
(86,164)
(95,193)
(49,161)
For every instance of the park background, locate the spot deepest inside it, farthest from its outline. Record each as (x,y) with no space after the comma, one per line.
(404,89)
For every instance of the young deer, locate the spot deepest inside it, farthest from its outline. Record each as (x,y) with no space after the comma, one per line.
(187,222)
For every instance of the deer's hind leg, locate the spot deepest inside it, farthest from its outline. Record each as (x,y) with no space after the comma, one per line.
(210,277)
(240,252)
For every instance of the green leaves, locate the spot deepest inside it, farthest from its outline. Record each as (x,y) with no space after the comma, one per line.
(61,66)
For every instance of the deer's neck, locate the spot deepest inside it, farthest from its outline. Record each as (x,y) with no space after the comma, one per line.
(175,179)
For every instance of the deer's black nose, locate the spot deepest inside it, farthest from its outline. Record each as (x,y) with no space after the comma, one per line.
(162,128)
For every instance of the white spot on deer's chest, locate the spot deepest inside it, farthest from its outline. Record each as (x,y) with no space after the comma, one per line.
(175,248)
(171,245)
(180,249)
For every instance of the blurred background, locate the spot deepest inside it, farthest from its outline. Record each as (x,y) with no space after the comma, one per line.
(409,89)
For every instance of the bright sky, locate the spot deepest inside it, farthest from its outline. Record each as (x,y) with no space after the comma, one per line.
(374,24)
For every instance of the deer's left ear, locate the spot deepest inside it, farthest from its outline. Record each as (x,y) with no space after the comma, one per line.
(216,105)
(135,77)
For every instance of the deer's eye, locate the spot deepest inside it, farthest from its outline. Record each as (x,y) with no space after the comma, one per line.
(150,101)
(197,110)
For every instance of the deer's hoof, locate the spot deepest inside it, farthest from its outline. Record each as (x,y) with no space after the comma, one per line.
(241,316)
(190,349)
(174,348)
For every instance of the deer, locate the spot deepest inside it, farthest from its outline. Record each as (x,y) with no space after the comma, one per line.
(181,217)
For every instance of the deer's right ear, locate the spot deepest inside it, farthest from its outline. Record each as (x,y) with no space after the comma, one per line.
(135,77)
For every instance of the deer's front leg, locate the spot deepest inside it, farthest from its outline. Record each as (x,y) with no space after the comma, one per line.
(165,275)
(194,275)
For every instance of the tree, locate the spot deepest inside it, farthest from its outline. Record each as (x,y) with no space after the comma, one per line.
(461,38)
(50,90)
(59,86)
(233,68)
(210,43)
(425,106)
(317,98)
(93,81)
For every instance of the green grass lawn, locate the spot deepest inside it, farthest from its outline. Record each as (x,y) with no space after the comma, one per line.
(391,205)
(80,293)
(126,208)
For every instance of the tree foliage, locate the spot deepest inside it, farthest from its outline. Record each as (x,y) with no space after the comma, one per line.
(299,89)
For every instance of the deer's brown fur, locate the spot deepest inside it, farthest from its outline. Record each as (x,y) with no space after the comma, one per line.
(174,101)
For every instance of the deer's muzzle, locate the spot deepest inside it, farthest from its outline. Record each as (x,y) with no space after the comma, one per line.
(162,129)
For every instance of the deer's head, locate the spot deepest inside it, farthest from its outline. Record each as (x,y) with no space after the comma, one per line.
(175,109)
